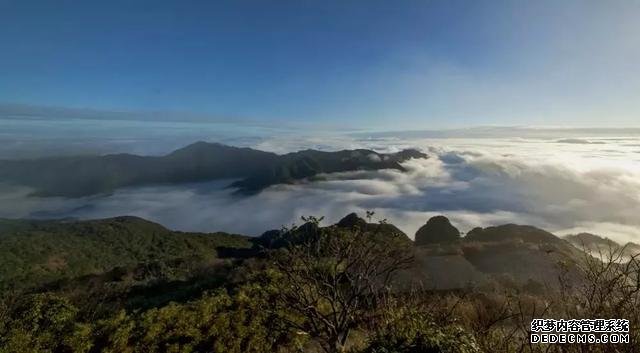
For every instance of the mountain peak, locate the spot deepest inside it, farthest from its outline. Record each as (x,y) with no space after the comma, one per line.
(438,229)
(588,239)
(200,146)
(352,220)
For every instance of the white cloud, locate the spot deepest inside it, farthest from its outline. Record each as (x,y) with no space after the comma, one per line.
(564,188)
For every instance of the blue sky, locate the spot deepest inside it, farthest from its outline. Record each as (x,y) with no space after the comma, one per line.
(389,64)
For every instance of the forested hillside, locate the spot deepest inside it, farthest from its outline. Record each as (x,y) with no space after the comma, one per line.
(128,285)
(39,252)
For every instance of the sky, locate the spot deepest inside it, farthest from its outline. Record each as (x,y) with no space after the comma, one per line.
(351,64)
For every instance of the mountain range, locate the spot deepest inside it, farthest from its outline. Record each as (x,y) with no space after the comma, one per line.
(127,282)
(253,170)
(599,246)
(41,252)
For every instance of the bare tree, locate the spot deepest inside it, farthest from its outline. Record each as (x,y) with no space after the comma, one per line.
(332,278)
(603,286)
(609,288)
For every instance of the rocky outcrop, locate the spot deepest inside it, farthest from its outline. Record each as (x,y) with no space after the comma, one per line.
(437,230)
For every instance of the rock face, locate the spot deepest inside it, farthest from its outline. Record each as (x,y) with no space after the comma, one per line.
(437,230)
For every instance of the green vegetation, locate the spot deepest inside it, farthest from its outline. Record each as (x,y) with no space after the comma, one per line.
(216,322)
(39,252)
(414,328)
(354,287)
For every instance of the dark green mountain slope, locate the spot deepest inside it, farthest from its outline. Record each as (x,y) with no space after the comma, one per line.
(201,161)
(87,175)
(305,164)
(35,253)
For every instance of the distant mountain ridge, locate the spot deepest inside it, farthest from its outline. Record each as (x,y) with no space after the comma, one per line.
(201,161)
(601,246)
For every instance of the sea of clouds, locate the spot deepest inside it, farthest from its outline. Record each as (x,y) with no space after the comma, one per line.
(560,181)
